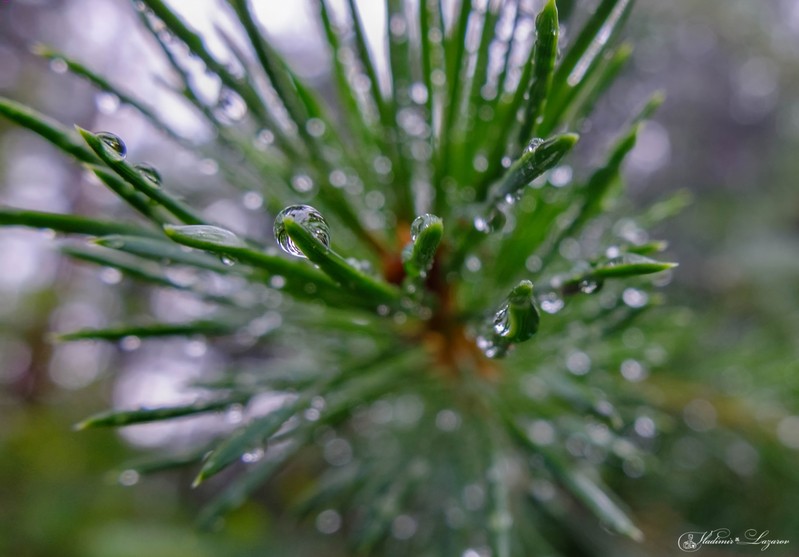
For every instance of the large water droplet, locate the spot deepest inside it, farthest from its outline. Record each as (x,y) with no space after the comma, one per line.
(113,145)
(494,221)
(307,217)
(533,145)
(150,173)
(502,322)
(420,223)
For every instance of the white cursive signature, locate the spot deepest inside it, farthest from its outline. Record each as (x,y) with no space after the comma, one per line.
(693,541)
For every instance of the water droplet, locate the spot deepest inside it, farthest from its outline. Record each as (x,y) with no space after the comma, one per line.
(302,183)
(113,145)
(265,138)
(338,452)
(129,478)
(382,165)
(234,414)
(551,303)
(315,127)
(633,371)
(130,343)
(230,107)
(150,173)
(541,432)
(700,415)
(635,298)
(502,322)
(579,363)
(398,26)
(434,35)
(209,167)
(420,223)
(227,261)
(487,347)
(473,263)
(474,497)
(533,145)
(506,162)
(448,420)
(165,36)
(338,178)
(494,221)
(252,200)
(533,264)
(645,427)
(362,265)
(560,176)
(419,93)
(107,103)
(480,163)
(513,197)
(374,200)
(589,286)
(328,521)
(403,527)
(254,455)
(109,275)
(307,217)
(59,65)
(634,467)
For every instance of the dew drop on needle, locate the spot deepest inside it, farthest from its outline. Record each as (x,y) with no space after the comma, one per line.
(113,145)
(307,217)
(150,173)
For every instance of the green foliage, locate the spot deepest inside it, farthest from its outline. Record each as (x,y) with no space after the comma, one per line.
(405,345)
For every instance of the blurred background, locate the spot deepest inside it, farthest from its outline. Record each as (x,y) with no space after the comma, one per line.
(724,453)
